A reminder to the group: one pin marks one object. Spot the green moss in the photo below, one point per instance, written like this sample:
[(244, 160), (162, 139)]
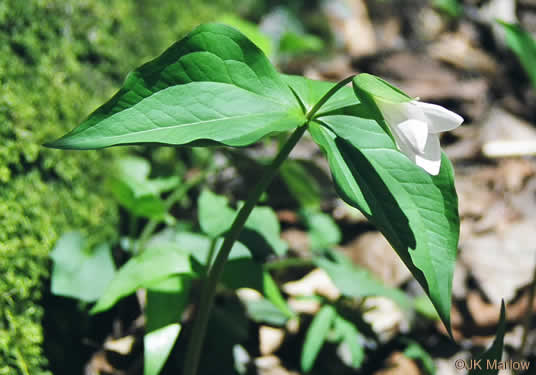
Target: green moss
[(58, 61)]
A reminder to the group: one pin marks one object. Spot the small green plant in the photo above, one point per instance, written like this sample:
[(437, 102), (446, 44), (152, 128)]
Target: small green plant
[(523, 45), (451, 7), (216, 88), (341, 321)]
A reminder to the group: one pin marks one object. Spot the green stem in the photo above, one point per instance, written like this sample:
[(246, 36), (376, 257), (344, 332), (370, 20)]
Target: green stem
[(21, 362), (175, 197), (209, 289), (288, 262), (327, 96), (132, 226), (211, 251)]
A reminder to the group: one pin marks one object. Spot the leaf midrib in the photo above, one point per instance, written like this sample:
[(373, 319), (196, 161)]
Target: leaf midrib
[(161, 128)]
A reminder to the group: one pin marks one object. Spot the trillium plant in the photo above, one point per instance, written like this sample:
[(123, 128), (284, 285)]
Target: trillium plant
[(216, 88)]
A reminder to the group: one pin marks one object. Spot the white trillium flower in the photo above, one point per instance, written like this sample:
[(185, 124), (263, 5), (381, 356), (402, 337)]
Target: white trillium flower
[(416, 126)]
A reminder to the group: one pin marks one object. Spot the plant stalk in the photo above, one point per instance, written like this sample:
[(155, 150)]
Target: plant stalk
[(289, 262), (199, 329), (327, 96), (209, 290), (210, 255)]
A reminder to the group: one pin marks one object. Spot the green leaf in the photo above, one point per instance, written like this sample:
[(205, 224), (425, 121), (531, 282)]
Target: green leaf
[(264, 311), (251, 31), (287, 29), (157, 345), (323, 231), (263, 221), (273, 294), (425, 307), (241, 270), (136, 192), (417, 352), (228, 327), (417, 212), (357, 282), (195, 244), (78, 272), (352, 338), (215, 216), (294, 43), (451, 7), (214, 85), (261, 232), (316, 335), (301, 184), (524, 46), (379, 88), (208, 112), (155, 263), (166, 301), (135, 171), (310, 92), (494, 354)]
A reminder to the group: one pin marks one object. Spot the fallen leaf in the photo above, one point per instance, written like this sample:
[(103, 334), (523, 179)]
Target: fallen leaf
[(122, 346), (316, 282), (270, 339), (398, 363), (349, 18), (372, 251)]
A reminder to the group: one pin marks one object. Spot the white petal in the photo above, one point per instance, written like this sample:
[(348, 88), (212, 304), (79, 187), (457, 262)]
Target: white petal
[(415, 133), (405, 147), (393, 113), (439, 118), (430, 160)]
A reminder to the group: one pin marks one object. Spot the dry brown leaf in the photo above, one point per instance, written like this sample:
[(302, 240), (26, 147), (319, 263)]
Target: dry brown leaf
[(316, 282), (486, 314), (458, 49), (122, 346), (333, 69), (467, 146), (270, 339), (500, 125), (297, 240), (501, 263), (385, 317), (431, 23), (397, 364), (271, 365), (99, 364), (372, 251), (422, 76), (351, 24)]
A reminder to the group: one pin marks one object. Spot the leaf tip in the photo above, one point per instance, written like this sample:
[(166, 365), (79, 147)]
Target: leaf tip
[(97, 309), (58, 143), (66, 143)]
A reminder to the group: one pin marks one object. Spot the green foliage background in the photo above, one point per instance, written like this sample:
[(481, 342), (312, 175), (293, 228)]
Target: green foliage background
[(59, 60)]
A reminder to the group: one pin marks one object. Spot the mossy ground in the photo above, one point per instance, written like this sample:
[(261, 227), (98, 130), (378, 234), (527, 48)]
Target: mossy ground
[(58, 61)]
